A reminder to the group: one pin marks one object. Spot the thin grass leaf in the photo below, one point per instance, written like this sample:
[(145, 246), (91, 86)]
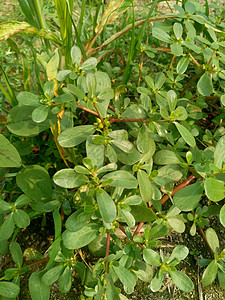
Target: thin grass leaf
[(13, 101)]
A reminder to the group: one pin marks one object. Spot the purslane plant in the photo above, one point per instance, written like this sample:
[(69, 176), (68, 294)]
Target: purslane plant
[(120, 152)]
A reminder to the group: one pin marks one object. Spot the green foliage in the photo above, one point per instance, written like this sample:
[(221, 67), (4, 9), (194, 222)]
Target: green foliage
[(105, 141)]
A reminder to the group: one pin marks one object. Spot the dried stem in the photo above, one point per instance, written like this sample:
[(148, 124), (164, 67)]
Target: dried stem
[(107, 250)]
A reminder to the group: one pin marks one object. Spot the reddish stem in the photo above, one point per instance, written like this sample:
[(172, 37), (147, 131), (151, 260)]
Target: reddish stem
[(166, 197), (87, 109), (3, 129), (179, 187)]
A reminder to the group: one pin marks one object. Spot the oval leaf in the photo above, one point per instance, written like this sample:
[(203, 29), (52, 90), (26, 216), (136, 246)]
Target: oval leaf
[(122, 179), (76, 135), (9, 156), (186, 135), (205, 86), (69, 179), (106, 206)]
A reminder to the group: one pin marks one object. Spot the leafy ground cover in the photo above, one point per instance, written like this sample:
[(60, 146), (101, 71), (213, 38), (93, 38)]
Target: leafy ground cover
[(112, 123)]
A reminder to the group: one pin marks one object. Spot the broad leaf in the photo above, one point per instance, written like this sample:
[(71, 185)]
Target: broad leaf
[(40, 114), (182, 281), (106, 206), (186, 135), (35, 182), (212, 239), (205, 86), (152, 257), (126, 277), (214, 189), (9, 156), (188, 198), (70, 179), (222, 215), (80, 238), (21, 218), (166, 157), (20, 121), (9, 289), (38, 289), (161, 35), (179, 253), (210, 273), (122, 179), (76, 135), (144, 271), (52, 275), (27, 98), (182, 64), (145, 186), (219, 153), (7, 228), (65, 280)]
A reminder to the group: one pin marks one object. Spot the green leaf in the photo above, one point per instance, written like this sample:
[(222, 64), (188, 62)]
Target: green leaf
[(20, 121), (219, 153), (212, 239), (5, 207), (142, 213), (7, 228), (9, 156), (78, 219), (177, 224), (38, 289), (188, 198), (52, 66), (158, 231), (152, 258), (35, 182), (168, 174), (166, 157), (176, 49), (161, 35), (214, 189), (210, 273), (190, 7), (52, 275), (106, 94), (76, 135), (40, 114), (182, 281), (144, 271), (16, 253), (106, 206), (182, 64), (91, 84), (133, 200), (80, 238), (221, 278), (143, 144), (76, 91), (122, 179), (65, 280), (128, 218), (192, 46), (125, 277), (178, 30), (179, 253), (222, 215), (111, 292), (172, 100), (9, 289), (145, 186), (75, 55), (160, 79), (21, 218), (186, 134), (27, 98), (205, 86), (69, 179), (123, 145), (156, 282), (89, 64), (95, 152)]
